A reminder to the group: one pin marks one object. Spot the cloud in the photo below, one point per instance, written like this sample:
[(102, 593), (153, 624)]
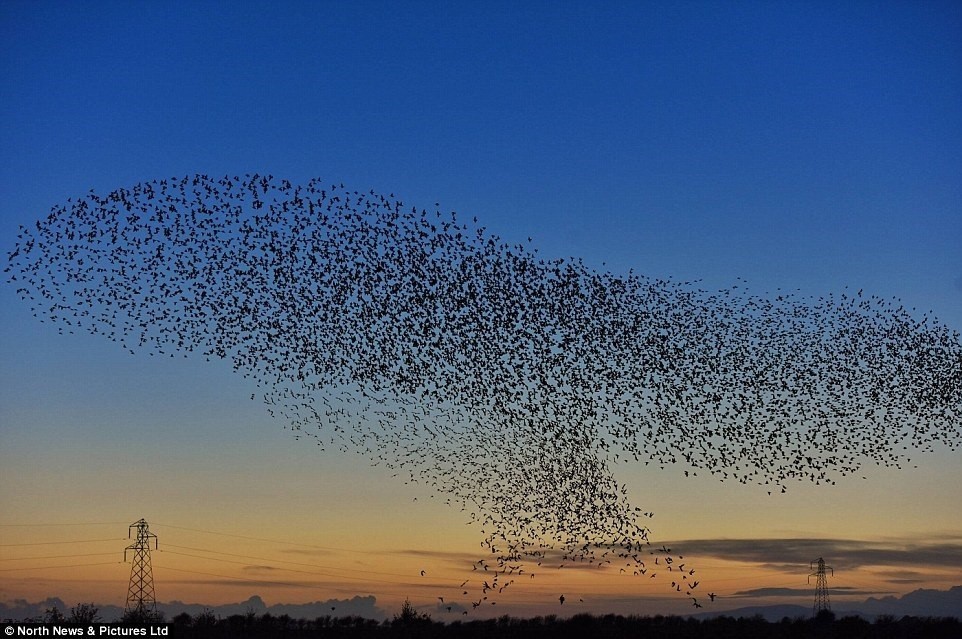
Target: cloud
[(903, 576), (23, 609), (260, 569), (358, 605), (802, 592), (550, 558), (461, 558), (309, 552), (362, 606), (794, 555), (908, 560), (251, 583)]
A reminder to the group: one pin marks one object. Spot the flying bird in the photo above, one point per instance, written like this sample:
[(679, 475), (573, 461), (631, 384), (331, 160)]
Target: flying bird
[(508, 382)]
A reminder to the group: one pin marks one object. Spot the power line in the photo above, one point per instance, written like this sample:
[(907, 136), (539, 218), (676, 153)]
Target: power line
[(265, 559), (262, 581), (163, 525), (54, 543), (103, 563), (306, 572), (217, 552), (85, 523), (273, 541), (326, 588), (89, 554), (283, 561)]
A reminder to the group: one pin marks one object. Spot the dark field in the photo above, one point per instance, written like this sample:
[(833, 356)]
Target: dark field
[(604, 627)]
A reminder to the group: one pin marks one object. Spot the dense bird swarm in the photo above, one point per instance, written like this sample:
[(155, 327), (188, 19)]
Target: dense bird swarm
[(508, 383)]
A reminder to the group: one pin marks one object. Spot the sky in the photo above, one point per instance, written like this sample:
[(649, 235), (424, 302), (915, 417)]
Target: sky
[(804, 145)]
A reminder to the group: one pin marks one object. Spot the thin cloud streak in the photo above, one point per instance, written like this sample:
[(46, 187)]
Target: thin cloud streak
[(440, 555), (250, 583), (783, 555), (261, 569), (309, 552), (849, 554), (804, 592)]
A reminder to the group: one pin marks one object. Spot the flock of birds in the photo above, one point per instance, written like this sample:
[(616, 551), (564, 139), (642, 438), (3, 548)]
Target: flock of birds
[(508, 383)]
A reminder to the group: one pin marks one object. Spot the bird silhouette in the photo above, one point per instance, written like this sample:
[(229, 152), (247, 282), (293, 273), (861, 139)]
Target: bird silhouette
[(508, 382)]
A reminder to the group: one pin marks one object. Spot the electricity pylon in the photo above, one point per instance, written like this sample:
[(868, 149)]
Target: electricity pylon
[(140, 595), (821, 587)]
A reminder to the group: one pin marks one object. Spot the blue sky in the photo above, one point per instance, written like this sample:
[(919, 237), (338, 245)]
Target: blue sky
[(796, 145), (680, 139)]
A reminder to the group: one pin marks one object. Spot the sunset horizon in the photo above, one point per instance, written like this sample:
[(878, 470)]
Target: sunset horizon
[(640, 309)]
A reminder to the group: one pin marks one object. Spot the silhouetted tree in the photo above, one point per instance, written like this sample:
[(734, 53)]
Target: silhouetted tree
[(84, 614), (825, 616), (183, 620), (205, 619), (410, 616), (53, 615), (141, 616)]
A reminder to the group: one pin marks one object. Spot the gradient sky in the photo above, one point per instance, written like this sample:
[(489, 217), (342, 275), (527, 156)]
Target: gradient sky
[(802, 145)]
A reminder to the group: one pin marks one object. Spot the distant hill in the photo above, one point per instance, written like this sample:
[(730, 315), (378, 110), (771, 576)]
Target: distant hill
[(358, 606), (918, 603)]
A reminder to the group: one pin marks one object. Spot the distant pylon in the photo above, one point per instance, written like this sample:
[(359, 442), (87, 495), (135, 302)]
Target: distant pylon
[(821, 586), (140, 594)]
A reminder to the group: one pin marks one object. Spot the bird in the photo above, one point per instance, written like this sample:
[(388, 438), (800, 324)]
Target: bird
[(510, 383)]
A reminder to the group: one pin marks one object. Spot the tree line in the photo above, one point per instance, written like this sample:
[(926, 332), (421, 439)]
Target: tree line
[(408, 623)]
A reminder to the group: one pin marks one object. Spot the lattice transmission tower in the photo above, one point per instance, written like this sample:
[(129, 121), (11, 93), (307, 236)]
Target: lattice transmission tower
[(821, 586), (140, 594)]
